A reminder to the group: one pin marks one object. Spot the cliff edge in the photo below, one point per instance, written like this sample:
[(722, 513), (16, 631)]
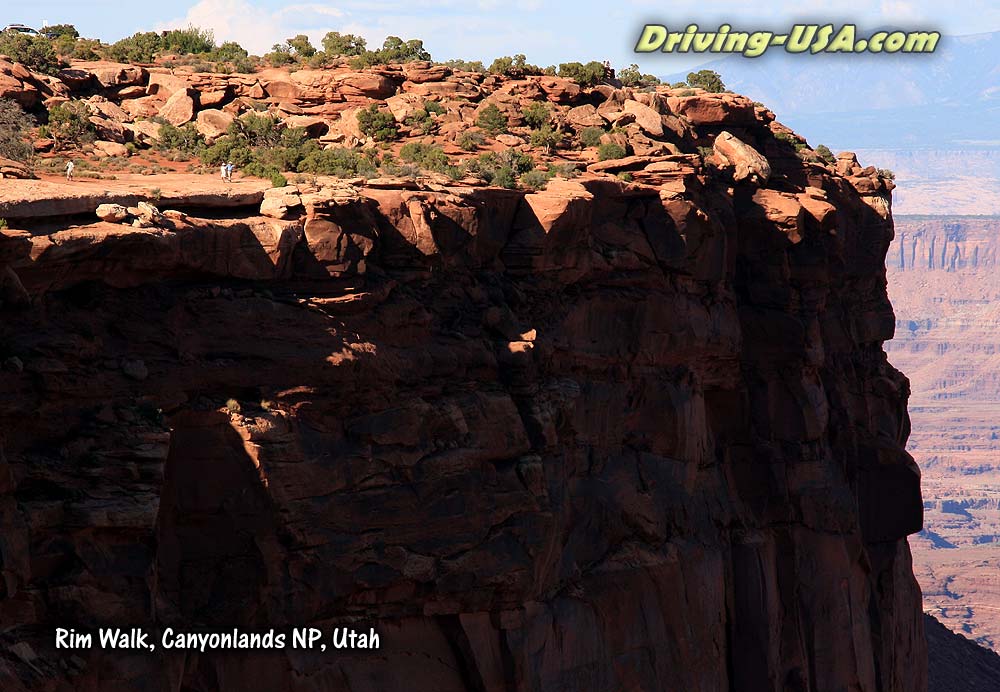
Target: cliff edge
[(609, 435)]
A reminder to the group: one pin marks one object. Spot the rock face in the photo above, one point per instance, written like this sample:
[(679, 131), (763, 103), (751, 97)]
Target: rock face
[(747, 163), (603, 436), (600, 437)]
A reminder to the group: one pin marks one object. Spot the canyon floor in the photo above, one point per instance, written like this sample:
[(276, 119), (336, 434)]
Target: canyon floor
[(943, 283)]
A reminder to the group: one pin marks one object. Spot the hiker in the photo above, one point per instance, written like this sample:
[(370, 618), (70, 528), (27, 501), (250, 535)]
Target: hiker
[(70, 167), (229, 171), (223, 169)]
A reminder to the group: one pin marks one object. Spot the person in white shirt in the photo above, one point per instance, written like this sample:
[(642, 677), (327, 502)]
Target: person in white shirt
[(70, 167)]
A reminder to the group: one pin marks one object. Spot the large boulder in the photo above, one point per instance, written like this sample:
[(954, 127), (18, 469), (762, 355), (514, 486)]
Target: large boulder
[(645, 117), (15, 84), (213, 123), (14, 169), (145, 131), (279, 90), (146, 215), (559, 89), (347, 125), (108, 109), (165, 85), (784, 210), (113, 149), (584, 116), (112, 213), (281, 202), (109, 130), (402, 106), (213, 98), (714, 109), (422, 71), (180, 107), (366, 84), (745, 161), (107, 75), (144, 107)]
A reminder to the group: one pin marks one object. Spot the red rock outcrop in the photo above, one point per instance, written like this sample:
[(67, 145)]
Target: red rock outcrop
[(605, 436)]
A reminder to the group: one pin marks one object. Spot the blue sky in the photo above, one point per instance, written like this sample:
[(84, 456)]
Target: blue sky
[(547, 32)]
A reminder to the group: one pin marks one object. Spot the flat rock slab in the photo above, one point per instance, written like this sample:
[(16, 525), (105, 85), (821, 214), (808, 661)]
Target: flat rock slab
[(27, 199)]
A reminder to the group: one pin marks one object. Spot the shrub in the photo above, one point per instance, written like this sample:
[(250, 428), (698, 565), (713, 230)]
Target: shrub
[(587, 75), (300, 46), (277, 179), (336, 43), (886, 173), (69, 124), (233, 406), (466, 65), (186, 140), (591, 136), (824, 153), (536, 115), (230, 51), (625, 176), (3, 224), (141, 47), (546, 138), (394, 50), (787, 138), (86, 49), (502, 168), (632, 77), (379, 125), (610, 150), (34, 52), (14, 123), (278, 57), (564, 170), (492, 120), (536, 180), (257, 130), (260, 146), (517, 161), (423, 121), (515, 66), (191, 40), (470, 140), (340, 162), (60, 30), (709, 80), (503, 177), (425, 155), (434, 107)]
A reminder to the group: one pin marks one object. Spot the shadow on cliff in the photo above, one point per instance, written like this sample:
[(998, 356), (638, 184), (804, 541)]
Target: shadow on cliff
[(214, 524)]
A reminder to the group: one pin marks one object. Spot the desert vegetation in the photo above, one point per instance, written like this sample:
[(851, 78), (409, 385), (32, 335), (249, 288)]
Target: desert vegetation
[(14, 128)]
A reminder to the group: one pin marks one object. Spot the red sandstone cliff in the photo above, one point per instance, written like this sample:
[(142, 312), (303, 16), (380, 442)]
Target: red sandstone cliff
[(608, 436)]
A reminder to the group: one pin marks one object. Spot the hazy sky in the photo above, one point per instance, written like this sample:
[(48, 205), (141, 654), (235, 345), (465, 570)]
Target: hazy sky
[(547, 32)]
